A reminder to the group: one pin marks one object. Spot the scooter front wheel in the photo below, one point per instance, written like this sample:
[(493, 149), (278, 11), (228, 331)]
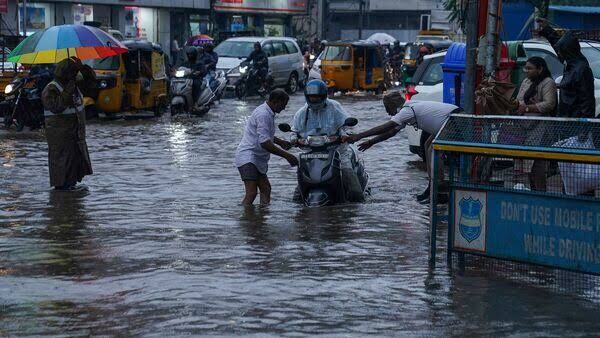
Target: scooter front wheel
[(8, 120)]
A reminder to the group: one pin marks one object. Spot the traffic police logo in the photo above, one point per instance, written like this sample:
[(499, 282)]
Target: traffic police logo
[(470, 218)]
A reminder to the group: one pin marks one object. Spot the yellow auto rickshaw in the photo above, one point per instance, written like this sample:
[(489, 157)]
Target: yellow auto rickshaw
[(357, 65), (133, 84)]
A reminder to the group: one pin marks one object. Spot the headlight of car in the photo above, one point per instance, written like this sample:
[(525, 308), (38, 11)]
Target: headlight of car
[(243, 69), (103, 84), (180, 73), (8, 89)]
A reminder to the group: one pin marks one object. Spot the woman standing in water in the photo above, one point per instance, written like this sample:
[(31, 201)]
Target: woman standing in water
[(68, 157)]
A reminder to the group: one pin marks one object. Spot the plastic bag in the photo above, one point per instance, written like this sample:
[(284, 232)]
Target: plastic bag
[(578, 178)]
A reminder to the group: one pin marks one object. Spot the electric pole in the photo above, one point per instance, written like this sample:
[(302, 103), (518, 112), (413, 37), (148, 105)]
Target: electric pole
[(361, 10), (471, 60)]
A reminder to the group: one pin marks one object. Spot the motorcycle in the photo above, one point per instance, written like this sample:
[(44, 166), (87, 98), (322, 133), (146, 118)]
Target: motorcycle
[(23, 103), (319, 171), (392, 72), (182, 92), (249, 83)]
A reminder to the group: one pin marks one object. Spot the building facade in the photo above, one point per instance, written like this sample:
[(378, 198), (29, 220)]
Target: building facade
[(258, 17), (399, 18), (158, 21)]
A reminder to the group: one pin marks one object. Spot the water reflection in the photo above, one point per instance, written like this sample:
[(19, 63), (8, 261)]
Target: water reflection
[(160, 246), (69, 250)]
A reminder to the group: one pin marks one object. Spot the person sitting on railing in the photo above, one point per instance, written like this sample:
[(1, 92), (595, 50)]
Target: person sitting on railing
[(536, 97)]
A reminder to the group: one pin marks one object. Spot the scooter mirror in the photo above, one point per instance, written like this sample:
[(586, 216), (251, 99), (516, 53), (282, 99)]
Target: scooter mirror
[(284, 127), (351, 122)]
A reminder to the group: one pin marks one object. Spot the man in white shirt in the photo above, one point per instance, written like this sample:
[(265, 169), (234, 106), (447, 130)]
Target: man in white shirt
[(257, 145), (428, 116)]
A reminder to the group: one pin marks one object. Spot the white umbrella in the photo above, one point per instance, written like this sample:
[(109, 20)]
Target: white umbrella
[(382, 38)]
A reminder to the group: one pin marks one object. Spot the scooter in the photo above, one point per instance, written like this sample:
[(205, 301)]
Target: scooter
[(319, 171), (182, 92), (23, 103)]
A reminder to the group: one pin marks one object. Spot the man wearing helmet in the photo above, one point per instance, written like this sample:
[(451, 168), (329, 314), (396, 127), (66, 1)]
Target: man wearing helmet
[(322, 116)]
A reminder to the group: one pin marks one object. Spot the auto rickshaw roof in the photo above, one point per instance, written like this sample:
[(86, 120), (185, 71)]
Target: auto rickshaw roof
[(142, 45), (357, 43)]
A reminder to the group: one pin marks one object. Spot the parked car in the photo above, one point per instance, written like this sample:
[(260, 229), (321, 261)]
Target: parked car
[(428, 79), (285, 59)]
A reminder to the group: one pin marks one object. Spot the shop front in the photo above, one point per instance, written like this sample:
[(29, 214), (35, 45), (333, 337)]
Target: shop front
[(257, 17), (156, 21)]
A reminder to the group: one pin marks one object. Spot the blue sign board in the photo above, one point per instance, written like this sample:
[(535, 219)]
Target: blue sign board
[(553, 231)]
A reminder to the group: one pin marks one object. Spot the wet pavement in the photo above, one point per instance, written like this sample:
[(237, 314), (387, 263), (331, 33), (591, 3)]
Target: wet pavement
[(160, 246)]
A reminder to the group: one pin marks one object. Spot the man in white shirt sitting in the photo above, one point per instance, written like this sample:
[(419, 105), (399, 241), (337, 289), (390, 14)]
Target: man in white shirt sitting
[(428, 116)]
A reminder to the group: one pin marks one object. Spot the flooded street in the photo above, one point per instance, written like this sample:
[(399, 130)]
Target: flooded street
[(160, 246)]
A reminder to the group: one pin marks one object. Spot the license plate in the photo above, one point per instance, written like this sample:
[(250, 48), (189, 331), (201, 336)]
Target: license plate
[(9, 97), (312, 156)]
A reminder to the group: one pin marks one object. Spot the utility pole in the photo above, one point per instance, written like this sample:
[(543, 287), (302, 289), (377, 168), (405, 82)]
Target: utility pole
[(471, 62), (24, 17), (492, 33), (361, 10)]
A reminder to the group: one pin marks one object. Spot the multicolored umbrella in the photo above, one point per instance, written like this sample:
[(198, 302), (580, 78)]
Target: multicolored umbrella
[(60, 42), (198, 40)]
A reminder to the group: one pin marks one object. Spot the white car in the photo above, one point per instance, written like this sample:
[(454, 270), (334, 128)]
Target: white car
[(315, 70), (285, 59), (429, 77)]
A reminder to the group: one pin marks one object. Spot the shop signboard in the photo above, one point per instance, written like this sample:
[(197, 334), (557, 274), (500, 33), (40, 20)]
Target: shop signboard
[(36, 18), (273, 6), (132, 22), (545, 230), (3, 6), (82, 13)]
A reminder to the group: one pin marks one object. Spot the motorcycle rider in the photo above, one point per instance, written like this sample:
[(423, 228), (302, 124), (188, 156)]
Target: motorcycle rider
[(397, 52), (209, 63), (198, 70), (322, 116), (209, 49), (260, 60)]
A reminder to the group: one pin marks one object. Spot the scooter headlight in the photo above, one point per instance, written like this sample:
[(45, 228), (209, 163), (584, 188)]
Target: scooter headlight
[(317, 141), (8, 89), (396, 83), (312, 57), (180, 73), (243, 69), (103, 84)]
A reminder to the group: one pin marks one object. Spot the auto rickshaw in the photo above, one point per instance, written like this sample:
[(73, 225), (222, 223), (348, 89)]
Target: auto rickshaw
[(133, 84), (357, 65)]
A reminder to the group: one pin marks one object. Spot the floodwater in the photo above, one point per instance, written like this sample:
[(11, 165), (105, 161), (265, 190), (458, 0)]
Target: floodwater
[(161, 247)]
